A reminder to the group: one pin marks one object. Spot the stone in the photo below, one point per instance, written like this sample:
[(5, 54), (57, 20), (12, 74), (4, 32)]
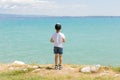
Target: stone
[(86, 69), (19, 62), (89, 69), (36, 70), (95, 68)]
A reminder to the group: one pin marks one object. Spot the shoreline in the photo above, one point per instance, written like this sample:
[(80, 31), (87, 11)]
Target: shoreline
[(46, 72)]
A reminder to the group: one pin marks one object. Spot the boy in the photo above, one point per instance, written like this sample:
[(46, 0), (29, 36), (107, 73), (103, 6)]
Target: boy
[(58, 38)]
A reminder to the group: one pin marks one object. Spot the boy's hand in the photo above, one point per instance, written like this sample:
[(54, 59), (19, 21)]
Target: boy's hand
[(51, 40), (63, 39)]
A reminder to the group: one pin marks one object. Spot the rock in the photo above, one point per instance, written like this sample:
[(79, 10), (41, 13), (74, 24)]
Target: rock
[(86, 69), (90, 69), (25, 69), (95, 68), (36, 70), (11, 68), (116, 75), (103, 74), (19, 62), (35, 67)]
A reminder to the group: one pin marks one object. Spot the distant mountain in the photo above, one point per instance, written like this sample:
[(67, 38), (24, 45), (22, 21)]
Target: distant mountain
[(19, 16), (9, 15), (38, 16)]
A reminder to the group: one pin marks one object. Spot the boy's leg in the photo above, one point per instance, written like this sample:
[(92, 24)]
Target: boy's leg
[(60, 59), (56, 59)]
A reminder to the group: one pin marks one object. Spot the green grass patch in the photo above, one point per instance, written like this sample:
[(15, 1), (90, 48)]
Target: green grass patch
[(116, 69)]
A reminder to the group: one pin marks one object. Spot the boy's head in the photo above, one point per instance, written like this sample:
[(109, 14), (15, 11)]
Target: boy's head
[(58, 26)]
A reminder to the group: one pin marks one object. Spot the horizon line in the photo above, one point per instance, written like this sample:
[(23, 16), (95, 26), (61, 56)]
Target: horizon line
[(33, 15)]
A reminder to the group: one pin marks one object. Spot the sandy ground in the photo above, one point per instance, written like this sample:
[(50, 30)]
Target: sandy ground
[(48, 69)]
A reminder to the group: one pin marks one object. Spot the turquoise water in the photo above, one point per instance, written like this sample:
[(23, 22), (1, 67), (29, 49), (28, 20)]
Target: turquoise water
[(90, 40)]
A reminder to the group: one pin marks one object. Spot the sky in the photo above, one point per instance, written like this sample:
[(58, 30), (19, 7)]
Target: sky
[(61, 7)]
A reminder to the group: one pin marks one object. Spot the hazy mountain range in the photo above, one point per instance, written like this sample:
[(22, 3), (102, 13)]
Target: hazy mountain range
[(37, 16)]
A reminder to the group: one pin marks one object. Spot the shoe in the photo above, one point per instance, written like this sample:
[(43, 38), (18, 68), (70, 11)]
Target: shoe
[(56, 67), (60, 67)]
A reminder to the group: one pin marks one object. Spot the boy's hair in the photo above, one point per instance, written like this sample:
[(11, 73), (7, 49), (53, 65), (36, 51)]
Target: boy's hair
[(58, 26)]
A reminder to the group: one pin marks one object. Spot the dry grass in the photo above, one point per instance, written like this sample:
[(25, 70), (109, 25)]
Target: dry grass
[(47, 72)]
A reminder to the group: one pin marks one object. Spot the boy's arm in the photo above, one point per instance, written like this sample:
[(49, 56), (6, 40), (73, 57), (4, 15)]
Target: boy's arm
[(51, 40), (64, 39)]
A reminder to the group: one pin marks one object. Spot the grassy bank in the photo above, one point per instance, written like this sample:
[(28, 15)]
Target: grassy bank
[(47, 72)]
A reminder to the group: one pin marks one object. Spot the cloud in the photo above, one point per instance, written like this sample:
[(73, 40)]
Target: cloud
[(11, 4), (41, 7)]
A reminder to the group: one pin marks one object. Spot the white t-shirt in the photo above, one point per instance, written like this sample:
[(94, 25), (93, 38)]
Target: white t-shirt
[(58, 39)]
